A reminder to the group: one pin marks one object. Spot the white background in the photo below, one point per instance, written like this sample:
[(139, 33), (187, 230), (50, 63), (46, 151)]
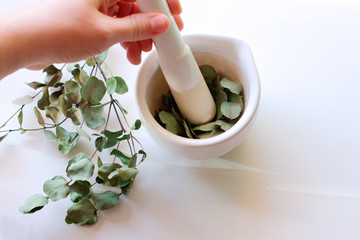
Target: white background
[(296, 176)]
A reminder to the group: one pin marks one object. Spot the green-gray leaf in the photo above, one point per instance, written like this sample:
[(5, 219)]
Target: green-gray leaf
[(95, 117), (234, 87), (34, 203), (213, 125), (220, 98), (208, 73), (231, 110), (82, 212), (236, 99), (20, 118), (93, 90), (57, 188), (111, 85), (72, 92), (104, 172), (23, 100), (75, 115), (54, 97), (36, 85), (125, 158), (80, 167), (82, 133), (44, 100), (127, 173), (53, 113), (3, 137), (63, 104), (80, 190), (105, 200), (50, 135), (136, 125), (99, 162), (39, 116), (111, 138), (171, 124), (121, 86)]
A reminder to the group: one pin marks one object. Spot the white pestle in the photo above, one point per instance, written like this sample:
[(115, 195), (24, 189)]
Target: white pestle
[(180, 69)]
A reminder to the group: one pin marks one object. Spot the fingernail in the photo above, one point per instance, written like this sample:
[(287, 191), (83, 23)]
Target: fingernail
[(159, 23)]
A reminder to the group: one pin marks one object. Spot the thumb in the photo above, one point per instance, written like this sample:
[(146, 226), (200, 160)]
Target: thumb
[(138, 26)]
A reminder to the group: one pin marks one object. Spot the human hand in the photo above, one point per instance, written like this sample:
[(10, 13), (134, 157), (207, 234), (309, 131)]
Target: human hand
[(57, 31), (135, 48)]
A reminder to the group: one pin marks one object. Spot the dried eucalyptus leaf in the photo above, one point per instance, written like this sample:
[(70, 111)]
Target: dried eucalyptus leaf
[(93, 90), (111, 85), (23, 100), (214, 125), (20, 118), (53, 113), (121, 87), (3, 137), (136, 125), (34, 203), (82, 133), (210, 134), (127, 173), (236, 99), (95, 117), (105, 200), (54, 97), (62, 136), (100, 142), (82, 212), (126, 188), (71, 66), (80, 190), (75, 115), (133, 161), (44, 100), (99, 162), (49, 135), (220, 98), (72, 92), (90, 62), (104, 172), (111, 138), (231, 110), (51, 70), (80, 167), (125, 136), (188, 130), (36, 85), (208, 73), (125, 158), (101, 57), (63, 104), (53, 76), (233, 87), (170, 122), (57, 188)]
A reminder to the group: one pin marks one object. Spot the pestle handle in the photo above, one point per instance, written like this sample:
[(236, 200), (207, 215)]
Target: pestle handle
[(180, 69)]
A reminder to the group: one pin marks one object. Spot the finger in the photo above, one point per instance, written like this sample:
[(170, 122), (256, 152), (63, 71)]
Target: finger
[(179, 22), (146, 45), (134, 53), (175, 7), (137, 27)]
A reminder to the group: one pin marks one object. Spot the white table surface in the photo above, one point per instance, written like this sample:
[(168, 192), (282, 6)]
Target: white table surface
[(296, 176)]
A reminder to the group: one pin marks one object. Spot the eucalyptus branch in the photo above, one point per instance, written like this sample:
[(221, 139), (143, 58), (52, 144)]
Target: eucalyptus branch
[(79, 98)]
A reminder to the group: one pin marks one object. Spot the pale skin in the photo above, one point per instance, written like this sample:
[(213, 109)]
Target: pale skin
[(64, 31)]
